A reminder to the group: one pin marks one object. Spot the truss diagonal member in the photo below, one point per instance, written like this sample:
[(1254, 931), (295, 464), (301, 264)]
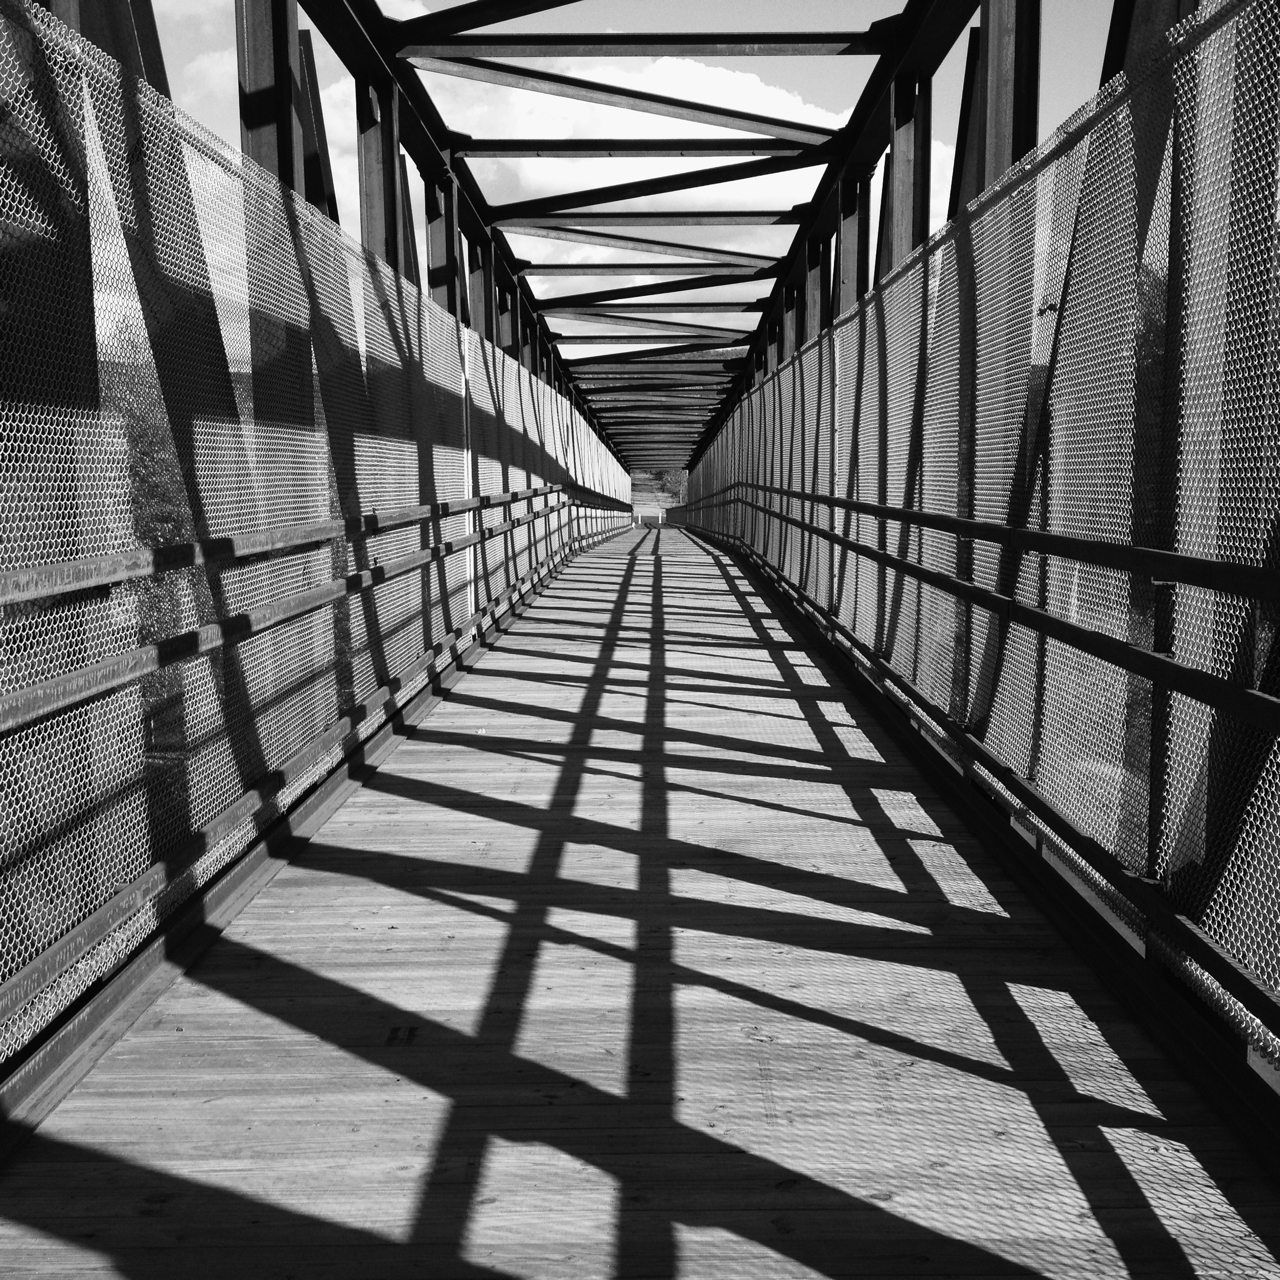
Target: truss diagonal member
[(614, 318), (639, 339), (418, 42), (647, 290), (644, 187), (639, 243), (631, 269), (629, 99), (692, 306), (709, 351)]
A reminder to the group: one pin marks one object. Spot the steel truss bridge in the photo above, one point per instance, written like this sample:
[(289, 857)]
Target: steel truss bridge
[(409, 865)]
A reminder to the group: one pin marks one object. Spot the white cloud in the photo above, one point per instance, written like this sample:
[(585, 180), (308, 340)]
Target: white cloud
[(208, 89), (403, 9), (338, 102), (941, 162)]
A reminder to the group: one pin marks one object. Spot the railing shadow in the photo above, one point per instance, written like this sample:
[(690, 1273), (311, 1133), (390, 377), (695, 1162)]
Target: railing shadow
[(780, 1187)]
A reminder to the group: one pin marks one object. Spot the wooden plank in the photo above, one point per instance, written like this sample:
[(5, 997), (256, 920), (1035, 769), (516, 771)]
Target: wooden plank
[(648, 944)]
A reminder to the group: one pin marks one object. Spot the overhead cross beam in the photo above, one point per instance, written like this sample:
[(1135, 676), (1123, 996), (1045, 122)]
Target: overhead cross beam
[(620, 148), (419, 42), (657, 218)]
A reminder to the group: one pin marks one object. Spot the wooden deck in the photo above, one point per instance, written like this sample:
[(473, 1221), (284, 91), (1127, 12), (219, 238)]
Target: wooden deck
[(646, 955)]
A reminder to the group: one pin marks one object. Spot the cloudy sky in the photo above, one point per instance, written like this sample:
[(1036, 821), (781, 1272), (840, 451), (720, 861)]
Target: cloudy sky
[(198, 37)]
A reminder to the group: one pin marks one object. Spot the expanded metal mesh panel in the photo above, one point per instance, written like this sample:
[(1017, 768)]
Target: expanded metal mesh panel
[(815, 387), (194, 363), (870, 487), (848, 353), (941, 615), (904, 311), (1089, 353)]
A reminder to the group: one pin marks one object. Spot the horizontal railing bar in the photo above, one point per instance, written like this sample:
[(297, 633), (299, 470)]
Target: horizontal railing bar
[(1236, 978), (1164, 566), (24, 706), (21, 987), (43, 582), (1250, 705)]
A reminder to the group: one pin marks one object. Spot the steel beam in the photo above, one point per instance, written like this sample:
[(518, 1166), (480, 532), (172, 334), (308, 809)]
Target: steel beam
[(659, 218), (125, 29), (317, 169), (442, 244), (359, 32), (648, 290), (641, 339), (482, 302), (667, 247), (267, 59), (617, 44), (408, 237), (1011, 33), (853, 241), (629, 99), (966, 173), (653, 354), (378, 149), (481, 13), (619, 148), (928, 30), (634, 269), (655, 326), (642, 188), (910, 110), (691, 307)]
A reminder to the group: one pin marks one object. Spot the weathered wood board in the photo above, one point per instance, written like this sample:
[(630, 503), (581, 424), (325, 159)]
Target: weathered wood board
[(645, 955)]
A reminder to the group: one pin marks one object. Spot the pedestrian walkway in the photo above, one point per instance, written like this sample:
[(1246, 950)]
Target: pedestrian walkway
[(645, 955)]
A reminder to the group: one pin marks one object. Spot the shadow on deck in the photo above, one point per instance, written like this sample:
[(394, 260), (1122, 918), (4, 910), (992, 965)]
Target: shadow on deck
[(646, 955)]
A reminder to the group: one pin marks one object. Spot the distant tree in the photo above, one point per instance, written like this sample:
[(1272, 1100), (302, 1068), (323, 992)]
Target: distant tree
[(676, 483)]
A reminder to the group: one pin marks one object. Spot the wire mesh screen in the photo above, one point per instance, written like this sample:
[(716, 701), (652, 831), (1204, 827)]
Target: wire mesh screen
[(1054, 509), (254, 490)]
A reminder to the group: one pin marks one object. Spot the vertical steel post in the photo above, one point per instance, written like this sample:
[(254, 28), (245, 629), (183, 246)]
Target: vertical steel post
[(971, 130), (854, 241), (408, 236), (378, 129), (317, 170), (814, 290), (911, 114), (1011, 40), (442, 243), (267, 54)]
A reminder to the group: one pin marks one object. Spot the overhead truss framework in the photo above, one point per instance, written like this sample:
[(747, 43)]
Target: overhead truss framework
[(695, 318)]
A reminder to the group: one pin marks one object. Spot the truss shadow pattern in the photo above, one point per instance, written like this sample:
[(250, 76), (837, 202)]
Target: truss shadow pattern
[(646, 955)]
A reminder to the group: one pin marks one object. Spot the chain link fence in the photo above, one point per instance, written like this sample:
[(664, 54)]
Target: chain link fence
[(255, 491), (1032, 482)]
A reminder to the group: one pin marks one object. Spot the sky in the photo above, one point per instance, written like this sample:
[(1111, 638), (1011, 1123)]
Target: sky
[(198, 40)]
